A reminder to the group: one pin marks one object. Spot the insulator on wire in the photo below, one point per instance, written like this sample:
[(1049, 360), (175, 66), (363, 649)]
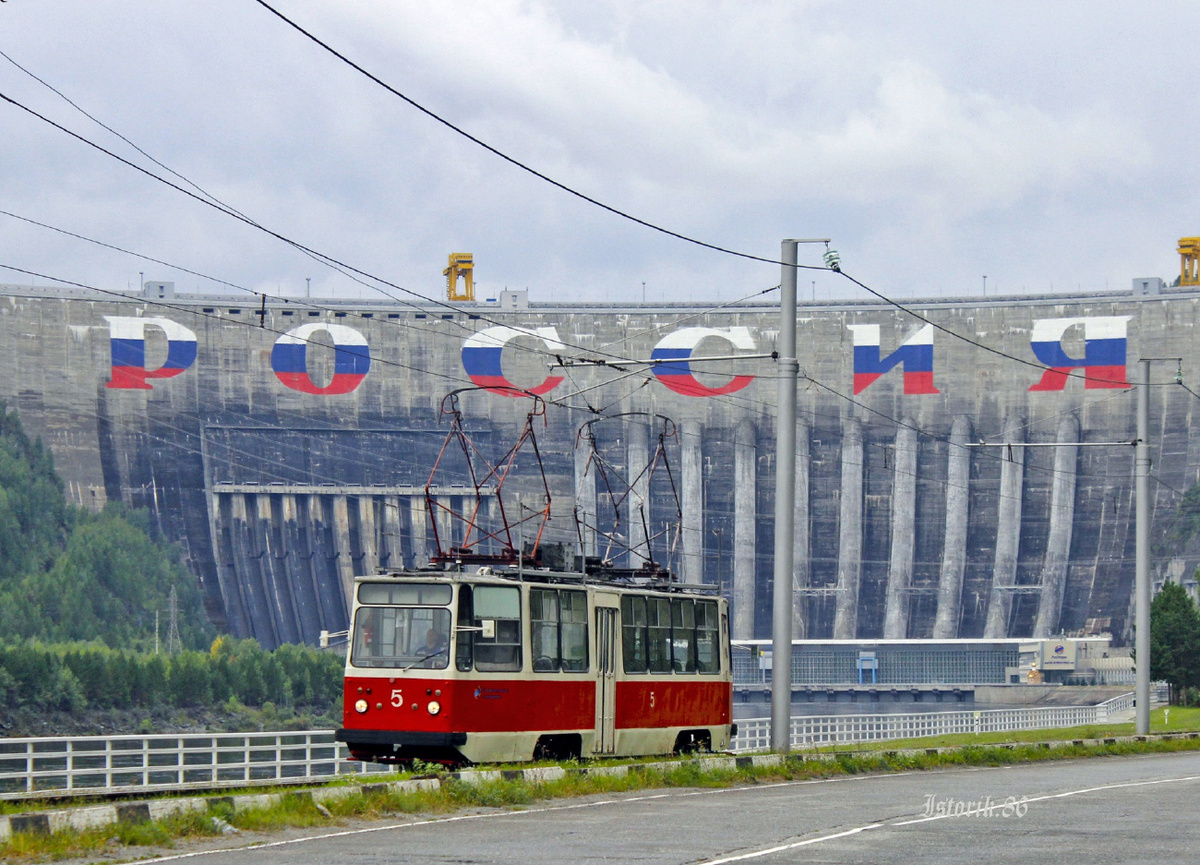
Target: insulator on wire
[(832, 260)]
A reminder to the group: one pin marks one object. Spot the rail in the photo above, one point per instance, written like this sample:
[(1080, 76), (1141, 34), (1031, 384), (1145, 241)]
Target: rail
[(754, 734), (103, 765)]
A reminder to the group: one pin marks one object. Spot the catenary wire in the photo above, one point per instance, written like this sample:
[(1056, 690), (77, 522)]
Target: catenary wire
[(228, 211), (109, 129), (252, 456), (344, 267), (628, 216), (516, 162), (233, 210), (561, 401), (75, 105)]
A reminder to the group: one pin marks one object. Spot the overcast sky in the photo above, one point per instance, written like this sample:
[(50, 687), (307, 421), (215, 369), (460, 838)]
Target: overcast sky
[(1046, 145)]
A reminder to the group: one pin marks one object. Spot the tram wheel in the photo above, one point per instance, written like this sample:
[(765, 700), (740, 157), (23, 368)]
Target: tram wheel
[(693, 742), (561, 746)]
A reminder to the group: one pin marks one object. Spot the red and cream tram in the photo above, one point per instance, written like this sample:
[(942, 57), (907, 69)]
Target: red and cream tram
[(506, 664)]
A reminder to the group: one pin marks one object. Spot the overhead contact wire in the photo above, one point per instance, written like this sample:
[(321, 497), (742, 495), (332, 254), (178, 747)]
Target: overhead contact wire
[(635, 219)]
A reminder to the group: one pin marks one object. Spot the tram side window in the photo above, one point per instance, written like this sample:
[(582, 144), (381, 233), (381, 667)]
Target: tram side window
[(543, 616), (501, 652), (574, 633), (708, 643), (633, 633), (463, 658), (658, 625), (683, 635), (558, 622)]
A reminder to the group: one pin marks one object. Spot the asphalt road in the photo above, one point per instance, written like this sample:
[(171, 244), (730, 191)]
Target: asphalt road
[(1118, 810)]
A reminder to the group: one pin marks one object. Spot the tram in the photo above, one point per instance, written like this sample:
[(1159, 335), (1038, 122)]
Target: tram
[(513, 663)]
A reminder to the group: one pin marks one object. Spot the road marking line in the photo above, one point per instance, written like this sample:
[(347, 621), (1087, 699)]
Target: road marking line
[(175, 857), (742, 857), (392, 826), (1050, 796), (556, 808)]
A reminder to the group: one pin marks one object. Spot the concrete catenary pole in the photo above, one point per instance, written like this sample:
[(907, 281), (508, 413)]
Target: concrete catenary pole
[(1141, 580), (785, 503)]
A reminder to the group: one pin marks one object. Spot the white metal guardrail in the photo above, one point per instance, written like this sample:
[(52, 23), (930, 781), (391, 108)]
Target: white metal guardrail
[(813, 731), (121, 764)]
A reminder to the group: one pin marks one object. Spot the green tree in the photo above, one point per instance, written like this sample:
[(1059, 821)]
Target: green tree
[(297, 669), (64, 692), (8, 687), (151, 687), (34, 517), (1175, 639), (109, 582), (190, 680), (1182, 533)]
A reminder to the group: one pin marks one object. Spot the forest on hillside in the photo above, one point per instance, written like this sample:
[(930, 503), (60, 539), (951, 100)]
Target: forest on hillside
[(67, 574), (85, 603)]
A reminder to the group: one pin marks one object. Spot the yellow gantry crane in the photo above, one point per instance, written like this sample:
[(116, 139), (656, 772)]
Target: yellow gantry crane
[(461, 264), (1189, 261)]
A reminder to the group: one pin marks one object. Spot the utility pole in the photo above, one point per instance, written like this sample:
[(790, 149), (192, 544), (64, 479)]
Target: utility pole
[(1141, 556), (1141, 578), (785, 496), (785, 504)]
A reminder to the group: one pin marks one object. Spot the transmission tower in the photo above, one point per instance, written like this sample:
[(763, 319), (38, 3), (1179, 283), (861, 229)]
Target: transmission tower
[(174, 644)]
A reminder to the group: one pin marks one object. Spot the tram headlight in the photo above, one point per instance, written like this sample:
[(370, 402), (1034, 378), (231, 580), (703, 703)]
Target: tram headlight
[(360, 706), (434, 707)]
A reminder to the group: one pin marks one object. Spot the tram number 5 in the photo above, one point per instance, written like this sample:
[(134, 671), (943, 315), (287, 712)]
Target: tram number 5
[(397, 698), (651, 699)]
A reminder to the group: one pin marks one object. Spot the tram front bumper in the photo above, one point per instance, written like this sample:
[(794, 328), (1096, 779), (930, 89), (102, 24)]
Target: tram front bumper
[(402, 738)]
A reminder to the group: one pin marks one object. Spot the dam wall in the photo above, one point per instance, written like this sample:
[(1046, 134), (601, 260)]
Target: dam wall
[(286, 446)]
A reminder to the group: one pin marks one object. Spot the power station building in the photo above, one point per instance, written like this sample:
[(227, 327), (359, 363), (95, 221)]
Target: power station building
[(286, 445)]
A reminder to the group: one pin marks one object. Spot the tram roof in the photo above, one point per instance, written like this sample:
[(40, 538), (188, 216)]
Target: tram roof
[(618, 580)]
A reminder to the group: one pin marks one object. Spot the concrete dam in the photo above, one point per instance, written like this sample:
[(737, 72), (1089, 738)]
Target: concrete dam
[(286, 446)]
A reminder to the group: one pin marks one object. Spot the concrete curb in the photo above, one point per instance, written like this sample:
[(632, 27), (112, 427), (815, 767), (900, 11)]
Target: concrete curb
[(94, 816)]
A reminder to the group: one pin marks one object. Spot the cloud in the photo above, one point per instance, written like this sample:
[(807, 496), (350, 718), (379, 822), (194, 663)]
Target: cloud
[(912, 135)]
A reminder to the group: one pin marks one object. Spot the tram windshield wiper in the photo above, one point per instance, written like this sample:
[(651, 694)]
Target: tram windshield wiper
[(440, 651)]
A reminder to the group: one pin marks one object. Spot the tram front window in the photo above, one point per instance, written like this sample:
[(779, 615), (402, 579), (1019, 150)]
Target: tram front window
[(404, 637)]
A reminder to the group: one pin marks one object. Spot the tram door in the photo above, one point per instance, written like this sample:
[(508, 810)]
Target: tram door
[(607, 632)]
